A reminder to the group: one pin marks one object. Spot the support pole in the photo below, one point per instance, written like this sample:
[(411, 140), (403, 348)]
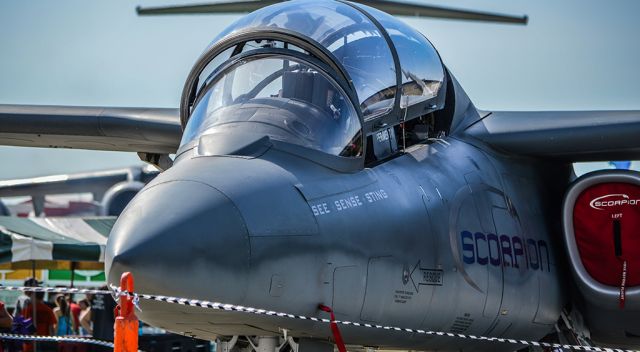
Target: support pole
[(32, 295), (126, 325), (73, 273)]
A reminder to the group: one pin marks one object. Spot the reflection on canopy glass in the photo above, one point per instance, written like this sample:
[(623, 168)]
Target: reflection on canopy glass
[(422, 70), (348, 34), (282, 98)]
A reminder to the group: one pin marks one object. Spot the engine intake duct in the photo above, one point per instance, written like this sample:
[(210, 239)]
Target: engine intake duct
[(601, 221)]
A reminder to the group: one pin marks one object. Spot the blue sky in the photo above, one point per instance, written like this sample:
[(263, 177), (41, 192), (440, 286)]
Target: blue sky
[(573, 55)]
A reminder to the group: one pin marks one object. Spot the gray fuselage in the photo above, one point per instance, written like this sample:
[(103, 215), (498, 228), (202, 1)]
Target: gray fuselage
[(445, 237)]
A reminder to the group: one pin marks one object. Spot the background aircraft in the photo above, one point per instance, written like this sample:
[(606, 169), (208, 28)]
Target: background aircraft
[(109, 191)]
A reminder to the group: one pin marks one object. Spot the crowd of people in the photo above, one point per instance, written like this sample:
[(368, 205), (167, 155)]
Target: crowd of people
[(61, 315)]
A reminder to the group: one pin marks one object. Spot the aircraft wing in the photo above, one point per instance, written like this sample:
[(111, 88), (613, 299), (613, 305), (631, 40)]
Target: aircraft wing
[(562, 135), (148, 130), (395, 8)]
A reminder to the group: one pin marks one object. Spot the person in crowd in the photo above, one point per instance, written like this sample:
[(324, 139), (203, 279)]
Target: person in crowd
[(65, 325), (5, 322), (45, 321), (102, 317), (5, 318), (50, 300), (85, 318), (75, 312), (24, 300)]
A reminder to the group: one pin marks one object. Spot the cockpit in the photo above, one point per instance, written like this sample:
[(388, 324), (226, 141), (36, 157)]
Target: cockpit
[(328, 76), (282, 97)]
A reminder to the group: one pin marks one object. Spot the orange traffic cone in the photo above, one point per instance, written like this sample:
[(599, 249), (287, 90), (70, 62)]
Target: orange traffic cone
[(126, 325)]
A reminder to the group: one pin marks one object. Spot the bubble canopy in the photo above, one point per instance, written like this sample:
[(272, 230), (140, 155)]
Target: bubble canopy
[(380, 65)]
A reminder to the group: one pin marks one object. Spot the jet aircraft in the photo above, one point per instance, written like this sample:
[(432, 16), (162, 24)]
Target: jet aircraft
[(328, 156)]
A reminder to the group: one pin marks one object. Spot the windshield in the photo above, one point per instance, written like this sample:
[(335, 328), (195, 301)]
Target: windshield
[(280, 97)]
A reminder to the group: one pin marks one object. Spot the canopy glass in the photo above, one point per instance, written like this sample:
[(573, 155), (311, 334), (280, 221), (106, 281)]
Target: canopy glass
[(347, 33), (280, 97)]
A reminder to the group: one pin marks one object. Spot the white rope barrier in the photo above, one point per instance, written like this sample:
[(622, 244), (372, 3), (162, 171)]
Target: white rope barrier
[(69, 339), (236, 308)]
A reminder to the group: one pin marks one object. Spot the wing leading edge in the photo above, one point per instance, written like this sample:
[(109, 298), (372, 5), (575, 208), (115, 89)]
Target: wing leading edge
[(395, 8), (562, 135), (147, 130)]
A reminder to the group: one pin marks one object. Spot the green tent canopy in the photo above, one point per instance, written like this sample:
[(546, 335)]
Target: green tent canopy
[(53, 243)]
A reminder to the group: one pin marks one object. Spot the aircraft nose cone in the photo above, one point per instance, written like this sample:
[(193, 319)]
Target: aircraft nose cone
[(181, 238)]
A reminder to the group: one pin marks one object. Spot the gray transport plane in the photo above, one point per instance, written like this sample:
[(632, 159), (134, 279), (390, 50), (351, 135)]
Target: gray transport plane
[(327, 156)]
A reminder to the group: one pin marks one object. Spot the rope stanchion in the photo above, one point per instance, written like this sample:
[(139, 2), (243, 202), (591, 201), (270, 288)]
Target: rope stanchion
[(126, 324), (119, 292)]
